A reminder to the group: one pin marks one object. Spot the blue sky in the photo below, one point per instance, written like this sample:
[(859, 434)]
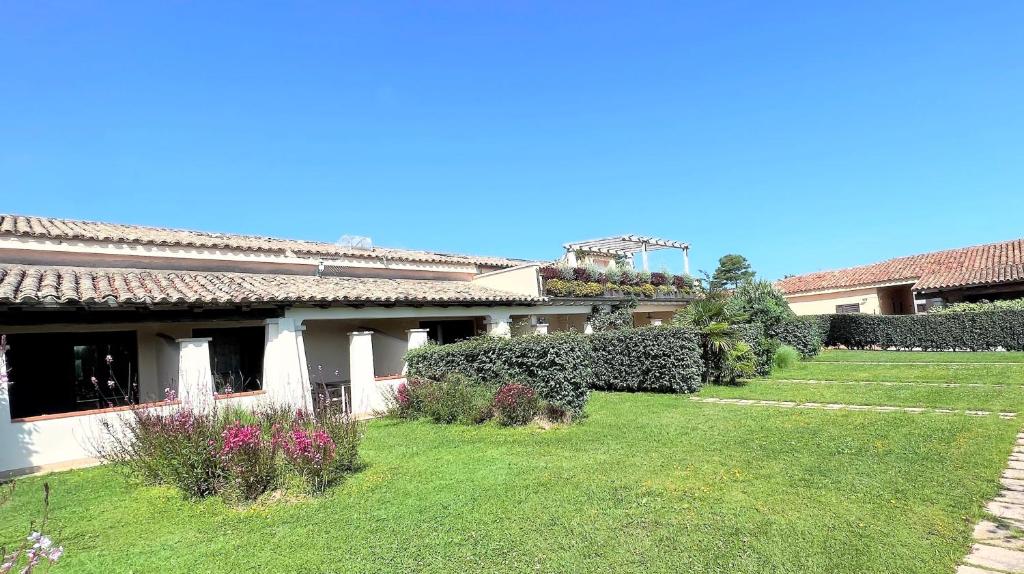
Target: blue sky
[(804, 135)]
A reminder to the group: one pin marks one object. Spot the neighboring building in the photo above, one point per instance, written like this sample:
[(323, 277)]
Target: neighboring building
[(100, 318), (913, 284)]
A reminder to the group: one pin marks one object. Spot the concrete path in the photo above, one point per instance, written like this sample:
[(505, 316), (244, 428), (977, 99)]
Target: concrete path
[(999, 542), (846, 407)]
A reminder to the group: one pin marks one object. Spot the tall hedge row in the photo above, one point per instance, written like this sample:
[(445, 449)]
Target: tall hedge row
[(562, 367), (557, 366), (763, 347), (930, 332), (665, 359), (802, 333)]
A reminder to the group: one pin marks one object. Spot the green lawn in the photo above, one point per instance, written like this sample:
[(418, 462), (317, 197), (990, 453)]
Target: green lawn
[(648, 483), (986, 398), (981, 373), (917, 357)]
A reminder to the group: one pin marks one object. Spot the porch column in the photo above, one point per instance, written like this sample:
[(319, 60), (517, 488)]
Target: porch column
[(417, 338), (656, 322), (5, 399), (643, 256), (499, 325), (588, 328), (195, 381), (365, 395), (686, 260), (540, 329), (285, 378)]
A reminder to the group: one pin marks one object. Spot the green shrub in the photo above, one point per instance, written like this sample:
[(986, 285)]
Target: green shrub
[(457, 399), (786, 357), (557, 366), (620, 317), (801, 333), (647, 359), (981, 307), (761, 347), (761, 302), (930, 332)]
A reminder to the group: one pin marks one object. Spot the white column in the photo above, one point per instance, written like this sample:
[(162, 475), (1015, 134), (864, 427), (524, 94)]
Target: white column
[(686, 261), (499, 325), (365, 395), (643, 256), (540, 329), (285, 378), (195, 381), (570, 258), (656, 322), (5, 398), (417, 338), (588, 328)]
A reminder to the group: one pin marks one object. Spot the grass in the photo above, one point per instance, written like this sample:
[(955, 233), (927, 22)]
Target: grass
[(987, 398), (652, 483), (917, 357), (685, 487), (980, 373)]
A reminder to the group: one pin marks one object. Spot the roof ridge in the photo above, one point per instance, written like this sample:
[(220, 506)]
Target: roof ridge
[(312, 243)]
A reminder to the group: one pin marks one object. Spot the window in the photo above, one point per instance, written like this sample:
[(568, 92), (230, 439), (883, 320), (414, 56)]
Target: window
[(848, 308), (54, 373), (445, 332), (236, 357)]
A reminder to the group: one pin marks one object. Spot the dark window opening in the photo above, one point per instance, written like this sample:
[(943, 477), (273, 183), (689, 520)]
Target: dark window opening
[(848, 309), (54, 373), (236, 358), (445, 332)]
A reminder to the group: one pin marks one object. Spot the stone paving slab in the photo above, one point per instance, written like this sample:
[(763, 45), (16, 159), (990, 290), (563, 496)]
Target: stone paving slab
[(996, 558), (999, 542)]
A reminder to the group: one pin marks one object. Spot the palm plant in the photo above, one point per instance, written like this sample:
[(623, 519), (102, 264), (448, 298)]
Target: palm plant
[(722, 348)]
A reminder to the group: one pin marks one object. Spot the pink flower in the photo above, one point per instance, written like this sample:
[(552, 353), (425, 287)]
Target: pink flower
[(110, 359)]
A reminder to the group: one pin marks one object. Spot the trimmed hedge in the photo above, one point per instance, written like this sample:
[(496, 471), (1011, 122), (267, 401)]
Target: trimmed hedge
[(763, 347), (801, 333), (663, 359), (557, 366), (930, 332)]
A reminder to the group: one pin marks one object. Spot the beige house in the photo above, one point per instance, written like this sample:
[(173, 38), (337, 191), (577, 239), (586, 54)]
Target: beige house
[(101, 318), (913, 284)]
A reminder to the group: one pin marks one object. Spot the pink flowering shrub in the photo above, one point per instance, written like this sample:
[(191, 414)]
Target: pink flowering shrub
[(247, 462), (516, 404), (309, 453), (237, 454)]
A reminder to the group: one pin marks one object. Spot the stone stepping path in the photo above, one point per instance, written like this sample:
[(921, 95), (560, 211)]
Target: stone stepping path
[(999, 543), (894, 383), (846, 407)]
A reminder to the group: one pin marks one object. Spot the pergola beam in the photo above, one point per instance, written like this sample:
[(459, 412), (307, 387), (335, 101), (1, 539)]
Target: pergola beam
[(629, 245)]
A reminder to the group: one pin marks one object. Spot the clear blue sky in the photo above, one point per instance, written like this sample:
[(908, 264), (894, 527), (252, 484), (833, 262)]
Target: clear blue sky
[(804, 135)]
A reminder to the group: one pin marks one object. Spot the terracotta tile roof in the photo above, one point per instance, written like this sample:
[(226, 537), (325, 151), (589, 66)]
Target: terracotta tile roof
[(35, 285), (967, 266), (68, 229)]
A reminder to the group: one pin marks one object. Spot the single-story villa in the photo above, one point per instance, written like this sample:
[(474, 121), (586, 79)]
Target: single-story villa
[(914, 284), (101, 318)]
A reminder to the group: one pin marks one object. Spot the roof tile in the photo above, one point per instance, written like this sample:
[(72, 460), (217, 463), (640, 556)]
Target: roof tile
[(967, 266), (66, 229), (30, 284)]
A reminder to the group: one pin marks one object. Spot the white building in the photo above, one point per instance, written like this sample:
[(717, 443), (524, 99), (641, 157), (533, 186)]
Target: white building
[(103, 318)]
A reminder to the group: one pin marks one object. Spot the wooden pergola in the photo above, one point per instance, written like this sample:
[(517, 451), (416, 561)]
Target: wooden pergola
[(627, 245)]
